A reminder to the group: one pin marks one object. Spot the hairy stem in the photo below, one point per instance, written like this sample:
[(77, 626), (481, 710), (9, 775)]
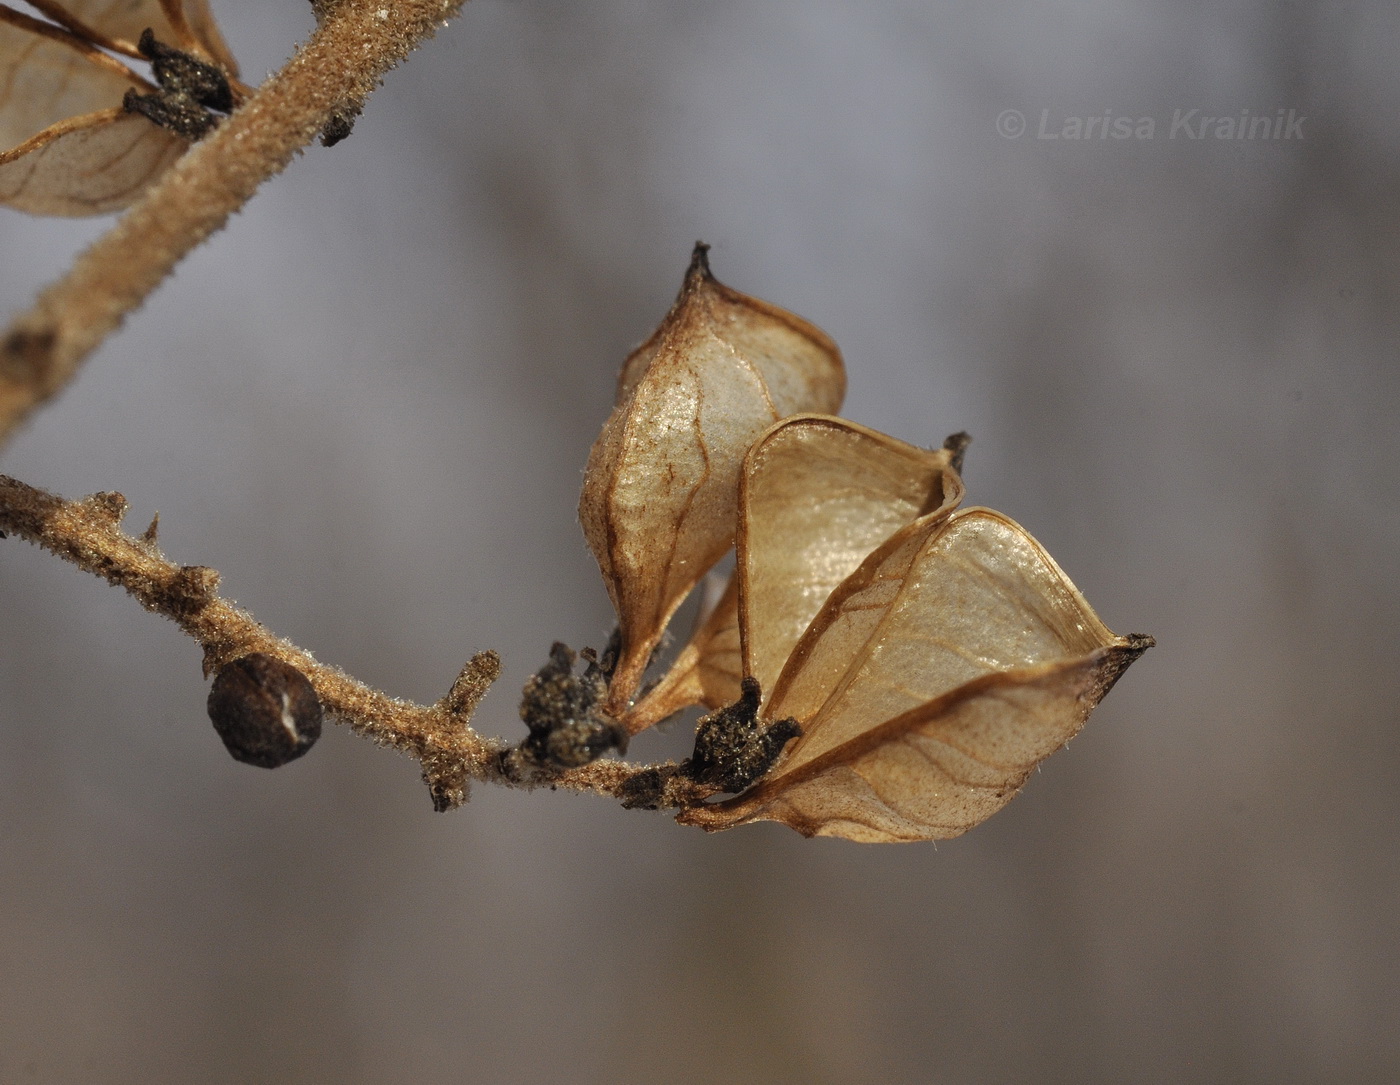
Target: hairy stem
[(356, 42), (88, 533)]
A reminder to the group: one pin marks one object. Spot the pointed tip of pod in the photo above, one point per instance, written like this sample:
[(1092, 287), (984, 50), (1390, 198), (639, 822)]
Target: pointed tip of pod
[(956, 444), (699, 270)]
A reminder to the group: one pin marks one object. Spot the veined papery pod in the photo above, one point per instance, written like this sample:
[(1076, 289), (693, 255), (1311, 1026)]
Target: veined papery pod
[(929, 686), (67, 146), (659, 502), (816, 495)]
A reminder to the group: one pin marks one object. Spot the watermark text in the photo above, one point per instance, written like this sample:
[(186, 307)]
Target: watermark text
[(1183, 125)]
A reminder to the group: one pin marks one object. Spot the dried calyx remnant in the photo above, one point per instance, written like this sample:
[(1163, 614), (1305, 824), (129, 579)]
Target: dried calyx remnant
[(561, 709), (733, 747), (189, 90)]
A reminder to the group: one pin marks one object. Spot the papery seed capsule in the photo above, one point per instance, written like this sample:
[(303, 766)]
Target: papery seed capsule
[(264, 710)]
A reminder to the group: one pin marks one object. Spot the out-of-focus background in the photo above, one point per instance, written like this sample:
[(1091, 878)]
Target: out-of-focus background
[(368, 403)]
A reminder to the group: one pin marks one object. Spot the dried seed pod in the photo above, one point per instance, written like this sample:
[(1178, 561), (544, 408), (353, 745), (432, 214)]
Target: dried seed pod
[(930, 684), (264, 710), (816, 495), (659, 495), (67, 145)]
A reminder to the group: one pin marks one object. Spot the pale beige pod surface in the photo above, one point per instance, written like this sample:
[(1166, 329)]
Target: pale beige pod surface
[(659, 503), (816, 497), (931, 683)]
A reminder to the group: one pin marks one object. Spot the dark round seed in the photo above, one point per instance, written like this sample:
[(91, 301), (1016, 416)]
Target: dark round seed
[(265, 710)]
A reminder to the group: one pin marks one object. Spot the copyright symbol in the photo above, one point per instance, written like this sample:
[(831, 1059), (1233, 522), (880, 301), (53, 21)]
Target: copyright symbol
[(1011, 123)]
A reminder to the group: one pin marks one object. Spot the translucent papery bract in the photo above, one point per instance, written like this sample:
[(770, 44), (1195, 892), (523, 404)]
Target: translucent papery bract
[(90, 165), (659, 503), (126, 19), (44, 81), (930, 684), (816, 497)]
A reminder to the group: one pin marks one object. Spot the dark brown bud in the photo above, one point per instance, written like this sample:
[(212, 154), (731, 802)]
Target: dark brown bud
[(339, 124), (265, 710)]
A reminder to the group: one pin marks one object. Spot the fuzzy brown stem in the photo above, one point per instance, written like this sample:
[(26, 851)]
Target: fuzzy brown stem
[(88, 533), (340, 64)]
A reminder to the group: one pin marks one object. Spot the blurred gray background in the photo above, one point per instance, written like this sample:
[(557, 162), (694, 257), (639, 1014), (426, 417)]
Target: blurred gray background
[(368, 403)]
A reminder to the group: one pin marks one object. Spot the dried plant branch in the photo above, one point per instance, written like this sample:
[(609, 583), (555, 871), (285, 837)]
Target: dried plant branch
[(88, 534), (355, 44)]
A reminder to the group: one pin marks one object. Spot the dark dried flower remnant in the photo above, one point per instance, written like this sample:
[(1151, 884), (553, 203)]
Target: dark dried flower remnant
[(181, 73), (190, 88), (559, 708), (264, 710), (732, 748), (340, 123), (174, 112)]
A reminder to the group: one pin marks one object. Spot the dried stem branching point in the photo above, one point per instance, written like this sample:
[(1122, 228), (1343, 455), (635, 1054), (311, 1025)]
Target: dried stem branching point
[(471, 685), (88, 534)]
